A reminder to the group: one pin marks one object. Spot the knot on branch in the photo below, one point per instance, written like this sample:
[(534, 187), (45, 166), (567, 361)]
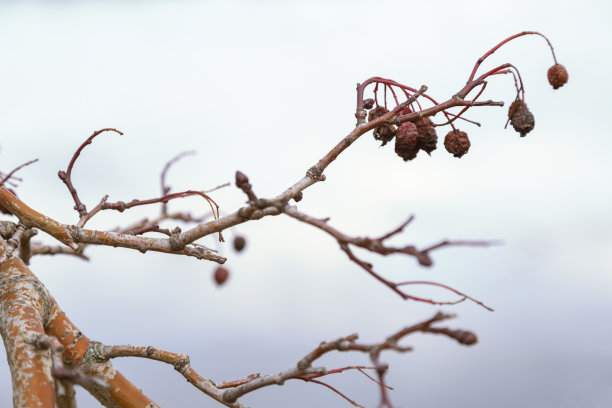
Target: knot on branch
[(181, 364), (175, 242), (7, 229), (95, 353), (315, 174)]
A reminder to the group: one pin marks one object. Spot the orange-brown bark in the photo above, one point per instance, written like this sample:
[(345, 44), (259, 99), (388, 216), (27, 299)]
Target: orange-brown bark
[(27, 309), (21, 316)]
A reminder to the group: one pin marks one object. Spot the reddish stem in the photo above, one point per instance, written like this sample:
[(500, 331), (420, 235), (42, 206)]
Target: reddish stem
[(492, 50)]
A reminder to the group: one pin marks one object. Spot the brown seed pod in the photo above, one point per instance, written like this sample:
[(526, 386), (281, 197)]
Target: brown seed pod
[(407, 141), (457, 143), (386, 133), (376, 113), (557, 76), (523, 121), (221, 274), (368, 103), (516, 106), (239, 243), (428, 138)]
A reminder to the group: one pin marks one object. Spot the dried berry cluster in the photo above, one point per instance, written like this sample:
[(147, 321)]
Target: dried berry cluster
[(410, 137)]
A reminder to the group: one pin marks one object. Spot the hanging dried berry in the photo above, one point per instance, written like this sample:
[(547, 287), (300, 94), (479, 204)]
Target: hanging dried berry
[(221, 275), (368, 103), (386, 133), (557, 76), (521, 118), (376, 113), (428, 138), (407, 141), (457, 143), (239, 243)]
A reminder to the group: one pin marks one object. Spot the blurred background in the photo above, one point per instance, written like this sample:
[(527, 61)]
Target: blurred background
[(267, 88)]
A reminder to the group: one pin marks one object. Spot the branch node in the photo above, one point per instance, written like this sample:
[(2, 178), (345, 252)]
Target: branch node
[(175, 242), (314, 173)]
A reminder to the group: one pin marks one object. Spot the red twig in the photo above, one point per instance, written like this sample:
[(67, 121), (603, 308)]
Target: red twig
[(447, 288), (492, 50), (66, 176), (334, 390), (15, 170)]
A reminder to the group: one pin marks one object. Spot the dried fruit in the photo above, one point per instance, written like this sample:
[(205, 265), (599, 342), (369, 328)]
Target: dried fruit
[(383, 132), (386, 133), (517, 105), (523, 121), (457, 143), (428, 138), (376, 113), (557, 76), (221, 275), (239, 243), (407, 141), (368, 103)]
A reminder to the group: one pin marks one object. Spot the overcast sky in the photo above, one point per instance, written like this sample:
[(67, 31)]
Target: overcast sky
[(268, 88)]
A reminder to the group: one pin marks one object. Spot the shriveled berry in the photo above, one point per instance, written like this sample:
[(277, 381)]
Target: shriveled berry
[(516, 106), (457, 143), (376, 113), (523, 121), (386, 133), (557, 76), (428, 139), (368, 103), (221, 275), (407, 141), (239, 243)]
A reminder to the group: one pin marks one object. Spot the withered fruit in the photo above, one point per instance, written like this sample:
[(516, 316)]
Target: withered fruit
[(368, 103), (521, 118), (385, 133), (557, 76), (457, 143), (376, 113), (221, 274), (428, 138), (239, 243), (523, 121), (516, 106), (407, 141)]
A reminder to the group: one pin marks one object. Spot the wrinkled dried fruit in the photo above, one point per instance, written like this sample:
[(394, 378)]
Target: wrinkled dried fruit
[(428, 139), (385, 133), (239, 243), (516, 106), (523, 121), (457, 143), (376, 113), (407, 141), (368, 103), (221, 275), (557, 76)]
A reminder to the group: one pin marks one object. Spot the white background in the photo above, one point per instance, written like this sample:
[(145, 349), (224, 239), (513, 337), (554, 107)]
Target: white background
[(268, 88)]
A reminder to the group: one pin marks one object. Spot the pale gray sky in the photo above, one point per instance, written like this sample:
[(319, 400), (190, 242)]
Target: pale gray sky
[(267, 88)]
